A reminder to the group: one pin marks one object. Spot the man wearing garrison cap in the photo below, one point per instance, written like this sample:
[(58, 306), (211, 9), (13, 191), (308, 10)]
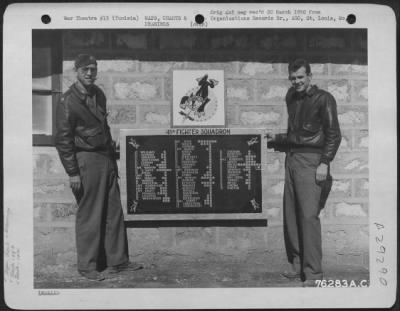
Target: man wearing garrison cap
[(87, 152)]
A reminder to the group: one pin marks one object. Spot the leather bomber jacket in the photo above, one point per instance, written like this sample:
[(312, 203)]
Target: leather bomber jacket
[(80, 129), (313, 124)]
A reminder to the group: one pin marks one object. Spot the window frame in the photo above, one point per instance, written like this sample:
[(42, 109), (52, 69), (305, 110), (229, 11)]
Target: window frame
[(54, 40)]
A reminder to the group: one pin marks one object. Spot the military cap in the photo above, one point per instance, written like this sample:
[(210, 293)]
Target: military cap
[(83, 60)]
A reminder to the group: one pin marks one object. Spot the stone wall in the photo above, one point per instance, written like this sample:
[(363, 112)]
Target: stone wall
[(135, 71)]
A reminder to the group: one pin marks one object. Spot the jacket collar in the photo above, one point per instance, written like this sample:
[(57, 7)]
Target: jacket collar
[(311, 90), (81, 91), (308, 93)]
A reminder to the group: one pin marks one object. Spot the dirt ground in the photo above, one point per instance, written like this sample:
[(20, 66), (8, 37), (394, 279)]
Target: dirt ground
[(201, 274)]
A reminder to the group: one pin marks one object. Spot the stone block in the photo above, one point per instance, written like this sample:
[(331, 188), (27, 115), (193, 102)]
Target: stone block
[(340, 90), (53, 246), (167, 91), (130, 40), (335, 238), (64, 212), (46, 162), (160, 67), (346, 143), (239, 241), (116, 66), (274, 212), (348, 69), (137, 88), (121, 114), (353, 116), (258, 69), (40, 212), (260, 116), (321, 83), (157, 119), (115, 132), (341, 188), (51, 189), (58, 240), (86, 39), (350, 210), (104, 82), (275, 239), (360, 91), (155, 115), (68, 66), (273, 188), (192, 241), (167, 237), (361, 139), (53, 212), (325, 213), (340, 69), (231, 114), (363, 230), (319, 69), (346, 240), (143, 240), (272, 91), (239, 90), (275, 163), (67, 80), (350, 163), (105, 66), (359, 70), (282, 68), (361, 187)]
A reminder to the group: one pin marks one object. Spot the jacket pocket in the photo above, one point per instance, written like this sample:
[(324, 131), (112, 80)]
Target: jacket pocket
[(94, 137), (312, 134), (311, 127), (90, 132)]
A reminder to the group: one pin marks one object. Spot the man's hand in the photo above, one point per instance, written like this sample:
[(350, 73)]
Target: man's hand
[(75, 183), (322, 173), (270, 137)]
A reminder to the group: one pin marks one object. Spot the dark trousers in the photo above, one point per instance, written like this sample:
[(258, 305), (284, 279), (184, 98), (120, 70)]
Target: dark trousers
[(302, 203), (100, 229)]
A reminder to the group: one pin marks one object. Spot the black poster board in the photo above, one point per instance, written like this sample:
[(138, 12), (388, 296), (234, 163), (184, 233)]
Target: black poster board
[(202, 173)]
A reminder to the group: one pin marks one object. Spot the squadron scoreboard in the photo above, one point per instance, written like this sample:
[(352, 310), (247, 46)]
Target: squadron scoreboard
[(192, 171)]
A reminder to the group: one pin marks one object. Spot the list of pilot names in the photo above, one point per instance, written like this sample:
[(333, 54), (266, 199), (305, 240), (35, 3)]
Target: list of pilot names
[(191, 172), (147, 167)]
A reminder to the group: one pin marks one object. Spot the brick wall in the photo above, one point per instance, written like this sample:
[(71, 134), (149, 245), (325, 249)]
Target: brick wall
[(135, 70)]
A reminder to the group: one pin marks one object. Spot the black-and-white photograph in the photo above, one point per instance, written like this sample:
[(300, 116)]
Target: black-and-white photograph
[(250, 171), (308, 88)]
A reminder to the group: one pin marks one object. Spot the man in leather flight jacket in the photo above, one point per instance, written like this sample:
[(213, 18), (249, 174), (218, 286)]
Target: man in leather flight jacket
[(87, 152), (311, 142)]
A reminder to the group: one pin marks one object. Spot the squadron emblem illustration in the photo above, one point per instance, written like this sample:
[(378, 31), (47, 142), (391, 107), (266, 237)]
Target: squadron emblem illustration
[(199, 103)]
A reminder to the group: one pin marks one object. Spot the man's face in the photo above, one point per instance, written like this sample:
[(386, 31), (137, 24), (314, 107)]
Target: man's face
[(87, 74), (300, 79)]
